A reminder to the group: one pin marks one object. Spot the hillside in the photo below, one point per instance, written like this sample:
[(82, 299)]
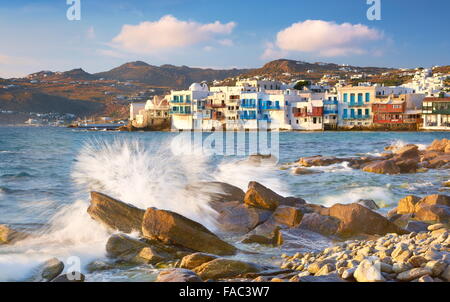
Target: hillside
[(166, 75)]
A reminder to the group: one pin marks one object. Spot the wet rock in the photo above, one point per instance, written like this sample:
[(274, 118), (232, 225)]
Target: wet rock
[(357, 219), (304, 171), (266, 233), (413, 274), (217, 191), (407, 204), (439, 161), (439, 145), (178, 275), (8, 235), (240, 218), (194, 260), (70, 277), (429, 155), (225, 268), (172, 228), (99, 265), (115, 214), (325, 225), (408, 152), (319, 160), (407, 165), (51, 269), (367, 271), (259, 196), (416, 226), (288, 216), (368, 203), (382, 167)]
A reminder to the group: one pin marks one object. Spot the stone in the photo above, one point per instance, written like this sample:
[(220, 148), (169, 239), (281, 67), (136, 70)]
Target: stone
[(417, 260), (429, 155), (426, 278), (172, 228), (382, 167), (446, 274), (288, 216), (194, 260), (115, 214), (321, 224), (367, 271), (8, 235), (319, 160), (368, 203), (315, 267), (178, 275), (303, 171), (401, 267), (348, 273), (98, 265), (436, 226), (259, 196), (225, 268), (332, 277), (435, 199), (70, 277), (357, 219), (413, 274), (407, 204), (416, 226), (266, 233), (151, 255), (439, 145), (439, 162), (325, 270), (401, 253), (433, 213), (217, 191), (50, 269), (408, 152), (437, 267), (407, 165), (237, 217)]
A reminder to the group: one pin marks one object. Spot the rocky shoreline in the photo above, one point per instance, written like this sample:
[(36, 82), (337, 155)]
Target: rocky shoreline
[(410, 243)]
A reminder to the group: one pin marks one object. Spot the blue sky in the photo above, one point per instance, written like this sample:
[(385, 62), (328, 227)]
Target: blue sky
[(36, 35)]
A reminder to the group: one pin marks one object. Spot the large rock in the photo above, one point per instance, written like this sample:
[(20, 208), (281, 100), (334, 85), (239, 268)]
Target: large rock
[(325, 225), (237, 217), (367, 271), (407, 204), (172, 228), (368, 203), (439, 161), (433, 213), (382, 167), (194, 260), (408, 165), (70, 277), (288, 216), (259, 196), (225, 268), (115, 214), (414, 274), (266, 233), (332, 277), (439, 145), (429, 155), (178, 275), (435, 199), (357, 219), (217, 191), (51, 269), (319, 160), (8, 235), (407, 152)]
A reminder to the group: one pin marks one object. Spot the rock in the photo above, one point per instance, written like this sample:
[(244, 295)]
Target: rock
[(407, 165), (266, 233), (151, 255), (303, 171), (292, 201), (439, 145), (446, 184), (433, 213), (407, 152), (436, 267), (178, 275), (439, 162), (368, 272), (436, 226), (382, 167), (172, 228), (407, 204), (429, 155), (321, 224), (51, 269), (289, 216), (435, 199), (320, 161), (357, 219), (401, 253), (240, 218), (417, 260), (194, 260), (401, 267), (217, 191), (70, 277), (99, 265), (348, 273), (332, 277), (413, 274), (426, 278), (446, 274), (8, 235), (259, 196), (368, 203), (416, 226), (115, 214), (225, 268), (315, 267)]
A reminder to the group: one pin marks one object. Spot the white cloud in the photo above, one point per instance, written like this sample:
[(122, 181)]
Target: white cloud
[(168, 33), (226, 42), (327, 39)]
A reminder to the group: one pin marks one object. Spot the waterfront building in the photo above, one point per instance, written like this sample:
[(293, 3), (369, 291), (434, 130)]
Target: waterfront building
[(330, 111), (436, 113), (307, 115), (154, 115), (135, 108), (398, 111)]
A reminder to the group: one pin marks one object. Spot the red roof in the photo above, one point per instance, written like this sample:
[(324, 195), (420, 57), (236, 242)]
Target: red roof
[(430, 99)]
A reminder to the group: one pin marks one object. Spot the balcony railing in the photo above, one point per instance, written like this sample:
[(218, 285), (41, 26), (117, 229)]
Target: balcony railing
[(356, 104), (356, 117), (270, 107), (215, 106), (248, 105), (335, 111), (180, 101)]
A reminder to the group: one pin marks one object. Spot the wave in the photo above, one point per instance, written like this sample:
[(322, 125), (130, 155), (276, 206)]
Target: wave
[(16, 175), (383, 196)]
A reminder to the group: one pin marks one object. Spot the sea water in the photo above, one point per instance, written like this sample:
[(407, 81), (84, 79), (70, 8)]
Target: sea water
[(47, 173)]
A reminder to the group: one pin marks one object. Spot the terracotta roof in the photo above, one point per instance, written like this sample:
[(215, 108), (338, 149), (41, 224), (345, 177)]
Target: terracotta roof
[(430, 99)]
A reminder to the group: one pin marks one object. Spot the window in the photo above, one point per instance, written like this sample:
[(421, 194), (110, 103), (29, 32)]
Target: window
[(367, 96), (345, 112), (360, 97), (367, 112), (352, 97), (345, 97)]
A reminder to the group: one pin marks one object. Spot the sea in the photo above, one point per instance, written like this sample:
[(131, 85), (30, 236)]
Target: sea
[(47, 174)]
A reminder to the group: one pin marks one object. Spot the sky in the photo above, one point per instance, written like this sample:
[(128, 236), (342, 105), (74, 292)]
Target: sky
[(38, 35)]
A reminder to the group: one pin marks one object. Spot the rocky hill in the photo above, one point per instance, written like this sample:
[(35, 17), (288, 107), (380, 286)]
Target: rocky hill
[(166, 75)]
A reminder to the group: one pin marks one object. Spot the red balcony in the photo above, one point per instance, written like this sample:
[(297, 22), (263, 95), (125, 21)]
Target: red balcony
[(215, 106), (388, 108)]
